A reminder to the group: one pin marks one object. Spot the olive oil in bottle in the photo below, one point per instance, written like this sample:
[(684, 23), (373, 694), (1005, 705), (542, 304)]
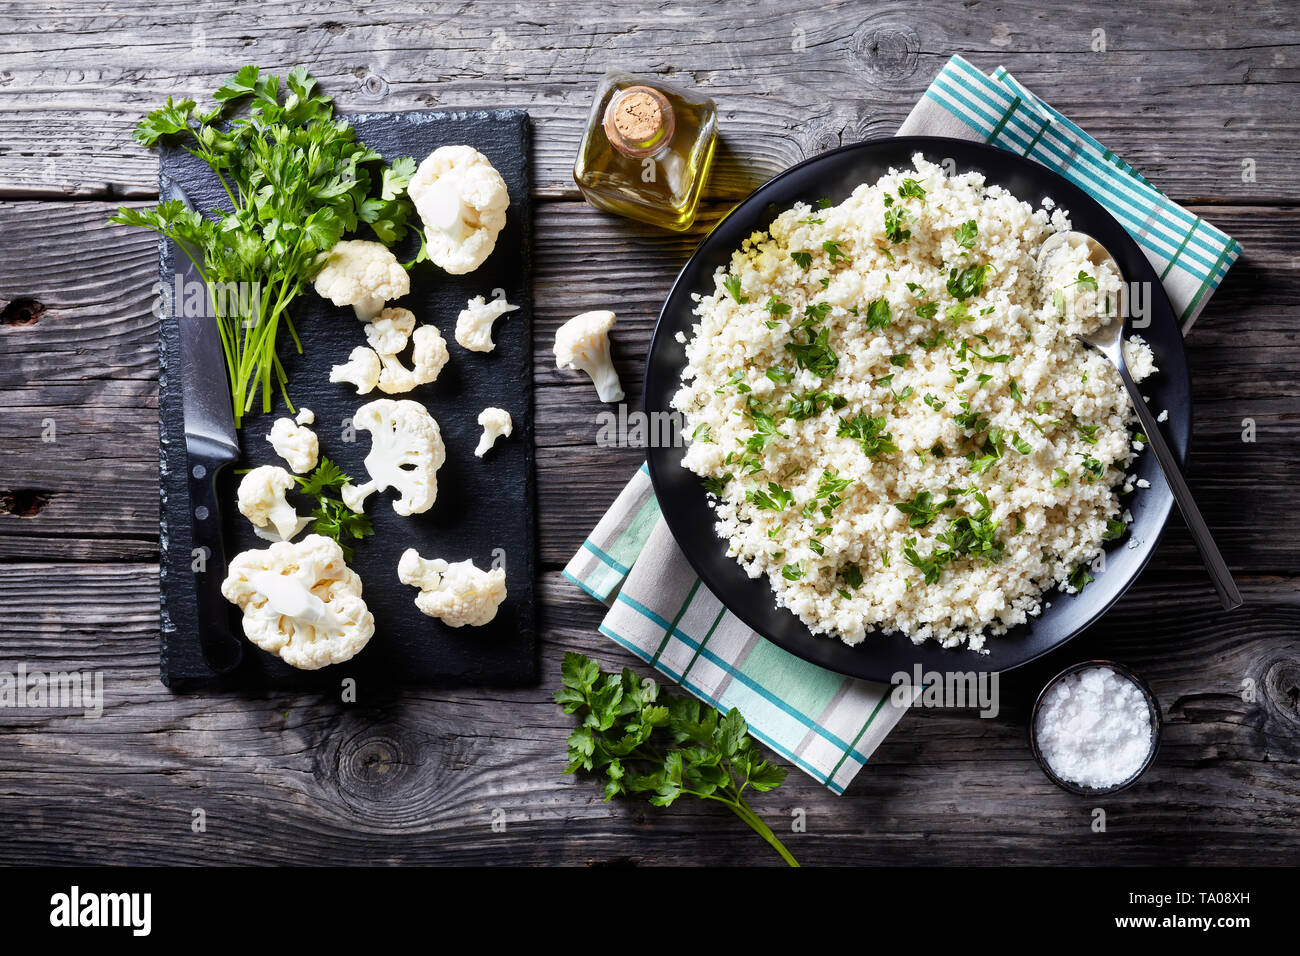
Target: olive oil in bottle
[(646, 150)]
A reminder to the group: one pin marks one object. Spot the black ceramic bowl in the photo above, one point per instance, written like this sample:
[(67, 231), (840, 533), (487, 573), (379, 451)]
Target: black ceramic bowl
[(1152, 703), (685, 506)]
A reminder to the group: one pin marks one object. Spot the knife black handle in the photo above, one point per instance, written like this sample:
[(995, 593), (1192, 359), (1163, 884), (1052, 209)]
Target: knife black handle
[(222, 648)]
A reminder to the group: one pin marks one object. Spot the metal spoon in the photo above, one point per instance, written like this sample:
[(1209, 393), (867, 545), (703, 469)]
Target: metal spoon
[(1108, 340)]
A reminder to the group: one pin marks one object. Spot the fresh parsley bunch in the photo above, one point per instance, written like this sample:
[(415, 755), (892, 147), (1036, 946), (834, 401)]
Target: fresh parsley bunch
[(298, 180), (662, 745)]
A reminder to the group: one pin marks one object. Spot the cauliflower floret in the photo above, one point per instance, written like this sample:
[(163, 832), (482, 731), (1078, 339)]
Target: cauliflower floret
[(459, 594), (406, 452), (362, 369), (474, 323), (388, 335), (496, 422), (582, 343), (361, 274), (462, 201), (261, 500), (296, 444), (305, 416), (301, 602)]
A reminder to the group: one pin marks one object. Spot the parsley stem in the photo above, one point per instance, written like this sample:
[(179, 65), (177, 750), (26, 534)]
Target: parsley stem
[(741, 809)]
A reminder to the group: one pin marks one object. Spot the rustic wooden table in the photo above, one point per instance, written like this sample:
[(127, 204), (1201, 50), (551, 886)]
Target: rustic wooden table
[(1199, 96)]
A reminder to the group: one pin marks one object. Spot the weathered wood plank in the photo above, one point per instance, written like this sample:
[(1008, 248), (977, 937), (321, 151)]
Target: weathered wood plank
[(415, 776), (791, 80)]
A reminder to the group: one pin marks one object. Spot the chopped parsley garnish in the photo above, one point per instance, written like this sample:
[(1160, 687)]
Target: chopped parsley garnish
[(732, 285), (927, 310), (802, 259), (965, 234), (1015, 391), (922, 509), (869, 432), (815, 353), (775, 498), (808, 404), (878, 314), (900, 360), (835, 252), (793, 572), (777, 307), (1062, 478), (911, 189), (1114, 529), (968, 282), (714, 486), (896, 230)]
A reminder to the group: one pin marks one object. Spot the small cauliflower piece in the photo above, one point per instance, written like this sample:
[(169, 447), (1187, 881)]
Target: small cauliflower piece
[(388, 335), (582, 344), (474, 323), (301, 602), (496, 422), (261, 499), (305, 416), (462, 201), (458, 594), (362, 370), (296, 444), (361, 274), (406, 451)]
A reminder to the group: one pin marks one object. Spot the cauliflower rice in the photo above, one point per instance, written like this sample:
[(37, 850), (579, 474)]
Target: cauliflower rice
[(893, 417)]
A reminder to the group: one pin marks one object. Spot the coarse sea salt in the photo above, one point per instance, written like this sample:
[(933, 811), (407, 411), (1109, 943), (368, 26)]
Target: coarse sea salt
[(1094, 728)]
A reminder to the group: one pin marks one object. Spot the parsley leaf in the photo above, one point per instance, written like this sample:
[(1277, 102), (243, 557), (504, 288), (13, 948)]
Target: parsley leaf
[(661, 745)]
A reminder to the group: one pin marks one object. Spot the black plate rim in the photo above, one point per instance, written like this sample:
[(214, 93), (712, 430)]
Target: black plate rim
[(830, 652)]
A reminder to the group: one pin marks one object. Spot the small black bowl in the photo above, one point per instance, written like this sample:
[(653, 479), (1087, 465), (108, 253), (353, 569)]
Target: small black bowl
[(1152, 703)]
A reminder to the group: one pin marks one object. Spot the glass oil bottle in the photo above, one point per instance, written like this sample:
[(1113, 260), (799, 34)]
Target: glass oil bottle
[(646, 150)]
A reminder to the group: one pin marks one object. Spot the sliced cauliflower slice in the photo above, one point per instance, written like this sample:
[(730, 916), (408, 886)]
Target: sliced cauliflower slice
[(296, 444), (582, 343), (301, 602), (496, 422), (406, 451), (388, 335), (462, 201), (362, 370), (261, 499), (474, 323), (459, 594), (361, 274)]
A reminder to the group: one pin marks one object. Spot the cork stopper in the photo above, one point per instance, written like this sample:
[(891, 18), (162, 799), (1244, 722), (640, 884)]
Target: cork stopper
[(639, 121)]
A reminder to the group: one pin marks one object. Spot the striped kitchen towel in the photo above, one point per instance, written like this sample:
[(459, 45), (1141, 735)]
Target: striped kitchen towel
[(824, 723), (1190, 255)]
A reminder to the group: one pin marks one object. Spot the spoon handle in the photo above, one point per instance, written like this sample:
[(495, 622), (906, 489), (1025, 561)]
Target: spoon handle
[(1214, 563)]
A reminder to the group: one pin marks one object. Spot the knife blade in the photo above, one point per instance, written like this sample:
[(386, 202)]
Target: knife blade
[(211, 446)]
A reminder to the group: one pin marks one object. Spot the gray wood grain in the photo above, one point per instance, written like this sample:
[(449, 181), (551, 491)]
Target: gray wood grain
[(1186, 92), (790, 79)]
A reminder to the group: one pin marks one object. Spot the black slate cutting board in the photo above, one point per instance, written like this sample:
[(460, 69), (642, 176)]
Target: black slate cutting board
[(485, 507)]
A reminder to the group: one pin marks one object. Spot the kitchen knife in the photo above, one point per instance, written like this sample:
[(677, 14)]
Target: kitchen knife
[(211, 445)]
